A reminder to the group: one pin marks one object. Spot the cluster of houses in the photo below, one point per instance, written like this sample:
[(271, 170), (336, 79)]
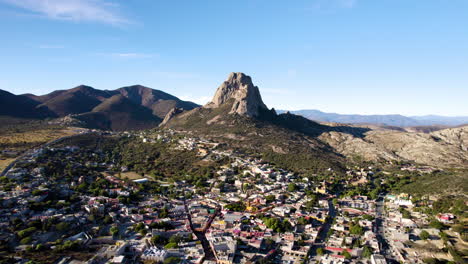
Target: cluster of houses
[(252, 212)]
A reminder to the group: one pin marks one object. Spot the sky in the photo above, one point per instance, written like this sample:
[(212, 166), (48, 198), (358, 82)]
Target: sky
[(405, 57)]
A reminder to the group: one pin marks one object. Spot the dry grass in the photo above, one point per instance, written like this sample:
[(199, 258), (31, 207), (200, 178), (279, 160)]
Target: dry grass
[(4, 163), (33, 137), (131, 175)]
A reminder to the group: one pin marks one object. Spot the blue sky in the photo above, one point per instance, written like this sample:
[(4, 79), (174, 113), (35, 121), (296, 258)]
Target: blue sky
[(345, 56)]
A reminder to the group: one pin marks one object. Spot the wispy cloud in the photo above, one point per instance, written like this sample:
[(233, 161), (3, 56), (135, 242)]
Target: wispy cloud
[(133, 55), (51, 47), (129, 55), (201, 100), (101, 11)]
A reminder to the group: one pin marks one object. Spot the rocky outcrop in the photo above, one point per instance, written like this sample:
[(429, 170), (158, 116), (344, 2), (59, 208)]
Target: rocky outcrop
[(444, 148), (239, 90), (173, 112)]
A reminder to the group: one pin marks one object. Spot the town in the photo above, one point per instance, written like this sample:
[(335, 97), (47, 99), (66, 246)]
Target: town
[(82, 205)]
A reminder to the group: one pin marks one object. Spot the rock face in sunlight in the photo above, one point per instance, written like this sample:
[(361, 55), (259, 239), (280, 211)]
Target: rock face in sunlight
[(239, 90)]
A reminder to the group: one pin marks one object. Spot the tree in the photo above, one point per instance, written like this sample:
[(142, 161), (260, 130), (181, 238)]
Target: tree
[(175, 239), (170, 245), (436, 224), (26, 240), (443, 236), (346, 254), (158, 240), (320, 251), (292, 187), (171, 260), (424, 235), (270, 198), (366, 252), (107, 219), (356, 229), (62, 226), (114, 231)]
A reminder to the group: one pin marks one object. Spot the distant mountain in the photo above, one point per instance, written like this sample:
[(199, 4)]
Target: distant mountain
[(132, 107), (388, 120), (442, 120)]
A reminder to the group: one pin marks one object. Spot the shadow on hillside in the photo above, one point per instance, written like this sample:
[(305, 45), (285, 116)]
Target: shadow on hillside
[(303, 125)]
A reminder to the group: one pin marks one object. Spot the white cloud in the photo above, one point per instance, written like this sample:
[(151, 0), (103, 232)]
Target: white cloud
[(101, 11), (201, 100)]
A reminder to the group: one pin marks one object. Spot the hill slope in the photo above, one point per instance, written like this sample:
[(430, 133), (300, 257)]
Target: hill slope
[(143, 107), (119, 113), (159, 102), (21, 106)]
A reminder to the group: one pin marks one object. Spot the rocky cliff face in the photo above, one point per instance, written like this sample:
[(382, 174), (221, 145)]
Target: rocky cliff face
[(245, 97), (174, 111)]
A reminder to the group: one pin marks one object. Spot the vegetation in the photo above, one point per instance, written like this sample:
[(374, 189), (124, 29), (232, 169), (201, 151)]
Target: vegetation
[(424, 235), (236, 207), (279, 226)]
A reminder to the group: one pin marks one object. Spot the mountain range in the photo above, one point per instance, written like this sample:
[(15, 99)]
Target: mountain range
[(131, 107), (388, 120), (238, 117)]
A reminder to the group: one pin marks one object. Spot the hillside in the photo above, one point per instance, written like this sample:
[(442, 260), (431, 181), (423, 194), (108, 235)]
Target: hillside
[(158, 101), (20, 106), (119, 113), (443, 148), (142, 108)]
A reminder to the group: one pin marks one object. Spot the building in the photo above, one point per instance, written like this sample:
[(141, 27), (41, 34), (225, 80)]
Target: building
[(378, 259)]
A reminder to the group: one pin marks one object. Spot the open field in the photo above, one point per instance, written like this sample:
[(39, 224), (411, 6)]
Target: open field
[(18, 135), (12, 140), (129, 175)]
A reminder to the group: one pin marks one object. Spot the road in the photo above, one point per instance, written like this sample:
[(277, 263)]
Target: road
[(201, 234), (322, 235), (380, 230)]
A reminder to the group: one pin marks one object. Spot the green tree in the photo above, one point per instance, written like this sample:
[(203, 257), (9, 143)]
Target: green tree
[(170, 245), (292, 187), (26, 240), (436, 224), (114, 231), (172, 260), (356, 229), (424, 235), (346, 254), (366, 252), (62, 226), (320, 251)]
